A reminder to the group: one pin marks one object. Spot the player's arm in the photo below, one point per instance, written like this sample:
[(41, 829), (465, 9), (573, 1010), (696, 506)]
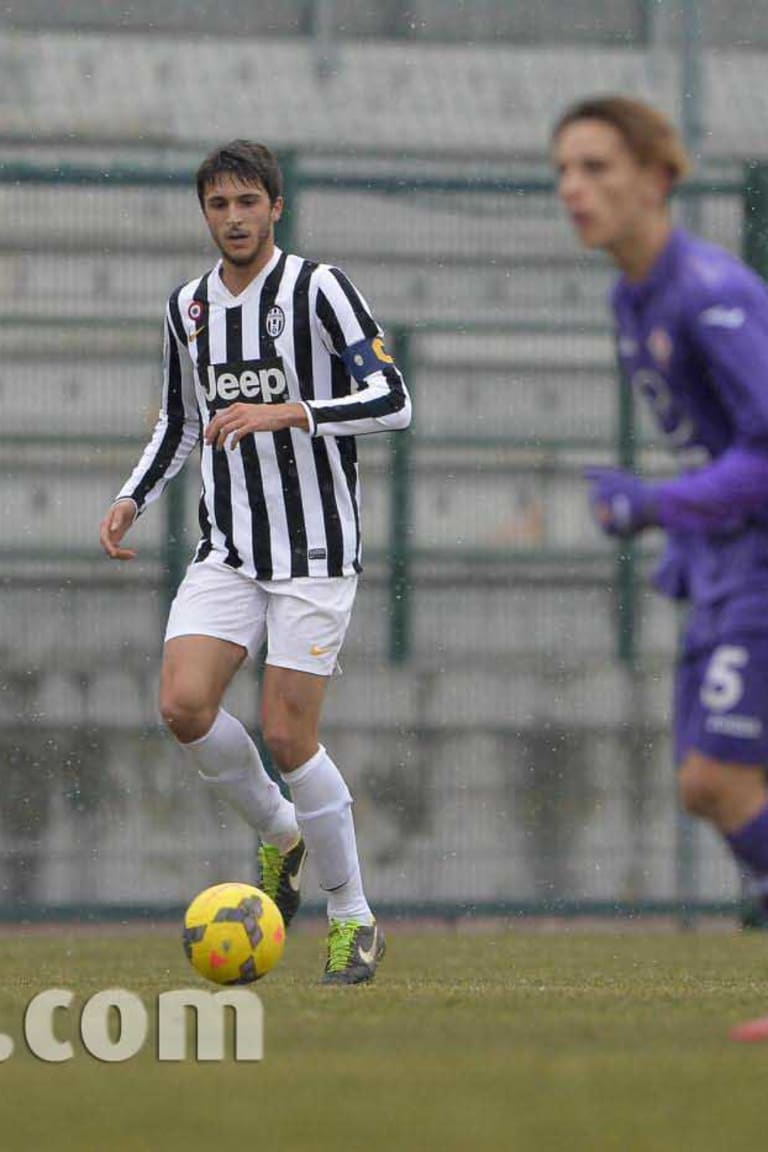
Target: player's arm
[(241, 419), (717, 498), (380, 402), (728, 334), (348, 330), (113, 528), (727, 327), (175, 435)]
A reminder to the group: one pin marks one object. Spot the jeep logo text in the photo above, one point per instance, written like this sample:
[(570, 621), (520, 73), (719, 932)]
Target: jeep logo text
[(257, 381)]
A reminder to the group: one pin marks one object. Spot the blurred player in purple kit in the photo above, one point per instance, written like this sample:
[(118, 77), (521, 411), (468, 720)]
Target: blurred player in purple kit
[(692, 332)]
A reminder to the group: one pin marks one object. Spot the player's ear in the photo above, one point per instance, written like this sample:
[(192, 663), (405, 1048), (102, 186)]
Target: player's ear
[(657, 185), (277, 209)]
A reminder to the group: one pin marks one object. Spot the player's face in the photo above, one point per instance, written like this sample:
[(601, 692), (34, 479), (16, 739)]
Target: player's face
[(608, 194), (241, 220)]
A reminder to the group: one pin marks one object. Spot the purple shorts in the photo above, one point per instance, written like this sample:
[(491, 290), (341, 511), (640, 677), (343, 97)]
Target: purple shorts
[(721, 699)]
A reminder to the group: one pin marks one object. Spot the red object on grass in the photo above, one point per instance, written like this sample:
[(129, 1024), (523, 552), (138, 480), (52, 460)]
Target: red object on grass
[(752, 1032)]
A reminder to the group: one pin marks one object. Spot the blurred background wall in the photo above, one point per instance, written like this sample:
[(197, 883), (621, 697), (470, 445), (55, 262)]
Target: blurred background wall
[(502, 716)]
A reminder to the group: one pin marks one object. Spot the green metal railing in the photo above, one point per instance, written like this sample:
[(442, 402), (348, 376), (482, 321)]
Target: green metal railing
[(403, 551), (401, 557)]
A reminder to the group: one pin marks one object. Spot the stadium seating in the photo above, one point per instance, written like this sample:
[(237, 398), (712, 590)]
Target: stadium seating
[(512, 691), (381, 96), (621, 22)]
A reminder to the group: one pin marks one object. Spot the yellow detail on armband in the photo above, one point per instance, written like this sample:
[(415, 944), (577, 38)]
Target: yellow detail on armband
[(379, 352)]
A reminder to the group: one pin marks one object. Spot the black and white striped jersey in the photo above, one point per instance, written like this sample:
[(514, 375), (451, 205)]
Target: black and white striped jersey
[(283, 504)]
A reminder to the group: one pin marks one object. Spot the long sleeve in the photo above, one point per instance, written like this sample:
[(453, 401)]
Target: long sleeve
[(379, 401), (727, 326), (177, 430), (720, 496)]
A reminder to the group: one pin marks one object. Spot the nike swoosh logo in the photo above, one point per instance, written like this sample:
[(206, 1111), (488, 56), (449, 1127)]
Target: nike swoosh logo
[(294, 878), (369, 957), (197, 332), (316, 650)]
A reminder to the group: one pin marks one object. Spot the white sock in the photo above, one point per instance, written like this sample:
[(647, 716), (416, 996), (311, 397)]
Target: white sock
[(324, 814), (348, 902), (229, 763)]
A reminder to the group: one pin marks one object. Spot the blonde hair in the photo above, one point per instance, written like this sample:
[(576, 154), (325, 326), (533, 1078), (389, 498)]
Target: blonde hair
[(647, 133)]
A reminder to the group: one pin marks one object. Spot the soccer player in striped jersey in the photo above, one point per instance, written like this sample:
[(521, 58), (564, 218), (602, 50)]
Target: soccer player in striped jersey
[(275, 364), (692, 334)]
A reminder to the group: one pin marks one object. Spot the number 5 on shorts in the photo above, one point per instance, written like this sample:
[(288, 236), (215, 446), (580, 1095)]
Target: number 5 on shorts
[(723, 684)]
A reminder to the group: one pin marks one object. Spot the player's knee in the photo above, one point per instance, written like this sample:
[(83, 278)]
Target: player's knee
[(287, 746), (185, 713), (282, 745), (700, 789)]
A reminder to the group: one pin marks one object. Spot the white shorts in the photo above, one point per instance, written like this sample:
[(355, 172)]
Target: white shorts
[(304, 620)]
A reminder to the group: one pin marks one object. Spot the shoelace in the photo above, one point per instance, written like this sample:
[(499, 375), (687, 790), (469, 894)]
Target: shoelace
[(341, 941)]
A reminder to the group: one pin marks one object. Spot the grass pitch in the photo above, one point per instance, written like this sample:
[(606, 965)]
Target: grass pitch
[(466, 1043)]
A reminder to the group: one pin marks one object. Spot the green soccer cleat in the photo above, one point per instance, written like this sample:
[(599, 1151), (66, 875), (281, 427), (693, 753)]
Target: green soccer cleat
[(354, 950), (280, 876)]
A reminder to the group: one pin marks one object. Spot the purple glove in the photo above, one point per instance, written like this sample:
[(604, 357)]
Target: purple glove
[(621, 503)]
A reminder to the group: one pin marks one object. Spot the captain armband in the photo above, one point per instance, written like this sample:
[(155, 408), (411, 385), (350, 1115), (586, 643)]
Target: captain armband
[(366, 357)]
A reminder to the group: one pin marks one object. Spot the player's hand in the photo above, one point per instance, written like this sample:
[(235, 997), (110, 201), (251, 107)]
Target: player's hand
[(240, 420), (622, 504), (114, 526)]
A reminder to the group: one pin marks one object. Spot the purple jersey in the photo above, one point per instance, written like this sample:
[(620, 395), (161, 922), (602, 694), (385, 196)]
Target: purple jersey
[(693, 339)]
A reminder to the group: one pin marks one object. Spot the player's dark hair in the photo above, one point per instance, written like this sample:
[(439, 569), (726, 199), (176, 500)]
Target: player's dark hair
[(247, 162), (647, 133)]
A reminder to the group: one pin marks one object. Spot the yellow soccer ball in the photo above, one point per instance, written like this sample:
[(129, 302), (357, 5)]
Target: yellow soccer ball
[(233, 933)]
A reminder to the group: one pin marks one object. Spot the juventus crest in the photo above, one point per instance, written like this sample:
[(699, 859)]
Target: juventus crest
[(275, 321)]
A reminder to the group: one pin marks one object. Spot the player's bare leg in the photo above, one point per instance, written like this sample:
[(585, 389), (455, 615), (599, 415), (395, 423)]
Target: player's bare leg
[(291, 705), (196, 672), (728, 795), (734, 799)]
